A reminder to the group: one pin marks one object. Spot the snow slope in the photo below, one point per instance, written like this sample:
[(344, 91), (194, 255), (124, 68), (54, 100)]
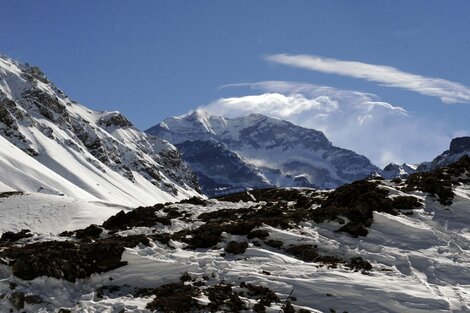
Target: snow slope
[(66, 148), (420, 261), (45, 213)]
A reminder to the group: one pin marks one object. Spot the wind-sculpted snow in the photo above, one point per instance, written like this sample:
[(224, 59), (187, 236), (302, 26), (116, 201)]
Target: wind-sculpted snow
[(83, 153), (259, 251), (256, 151)]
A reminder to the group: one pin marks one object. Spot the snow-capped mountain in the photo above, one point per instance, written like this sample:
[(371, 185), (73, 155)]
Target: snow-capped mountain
[(51, 144), (258, 151), (394, 170)]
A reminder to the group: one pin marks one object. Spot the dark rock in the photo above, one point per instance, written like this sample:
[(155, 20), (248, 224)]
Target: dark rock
[(305, 253), (195, 201), (91, 232), (17, 300), (358, 263), (221, 295), (354, 229), (33, 299), (69, 260), (405, 203), (287, 307), (259, 308), (9, 237), (357, 201), (115, 119), (459, 145), (140, 217), (258, 233), (185, 277), (266, 295), (274, 243), (234, 247), (7, 194), (178, 298)]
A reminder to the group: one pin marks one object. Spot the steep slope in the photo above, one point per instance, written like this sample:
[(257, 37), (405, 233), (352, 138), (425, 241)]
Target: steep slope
[(459, 147), (218, 168), (88, 154), (270, 151)]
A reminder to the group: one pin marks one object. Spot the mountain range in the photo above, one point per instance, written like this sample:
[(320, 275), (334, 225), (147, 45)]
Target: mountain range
[(256, 151), (98, 216), (54, 145)]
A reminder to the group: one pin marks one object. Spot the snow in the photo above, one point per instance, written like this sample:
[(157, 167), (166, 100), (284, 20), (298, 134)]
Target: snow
[(22, 172), (118, 173), (44, 213), (421, 264), (266, 145)]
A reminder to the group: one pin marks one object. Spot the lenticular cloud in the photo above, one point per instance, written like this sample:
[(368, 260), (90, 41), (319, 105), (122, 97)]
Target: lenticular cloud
[(447, 91)]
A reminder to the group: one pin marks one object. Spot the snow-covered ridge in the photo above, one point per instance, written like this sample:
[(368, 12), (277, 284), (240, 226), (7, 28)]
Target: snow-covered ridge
[(72, 150), (272, 152)]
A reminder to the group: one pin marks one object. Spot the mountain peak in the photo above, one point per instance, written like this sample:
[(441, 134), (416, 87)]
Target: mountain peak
[(459, 144), (264, 151)]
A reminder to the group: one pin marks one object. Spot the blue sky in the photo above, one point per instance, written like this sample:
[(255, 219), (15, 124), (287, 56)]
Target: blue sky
[(153, 59)]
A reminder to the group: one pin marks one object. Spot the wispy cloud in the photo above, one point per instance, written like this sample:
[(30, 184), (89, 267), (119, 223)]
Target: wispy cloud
[(359, 121), (447, 91)]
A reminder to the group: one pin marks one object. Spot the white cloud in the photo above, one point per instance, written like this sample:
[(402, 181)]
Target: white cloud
[(447, 91), (350, 119)]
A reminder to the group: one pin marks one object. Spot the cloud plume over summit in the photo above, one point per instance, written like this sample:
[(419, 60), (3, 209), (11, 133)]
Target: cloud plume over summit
[(351, 119)]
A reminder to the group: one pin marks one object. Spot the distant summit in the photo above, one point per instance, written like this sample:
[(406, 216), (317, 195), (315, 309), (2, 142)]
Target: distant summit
[(394, 170), (256, 151)]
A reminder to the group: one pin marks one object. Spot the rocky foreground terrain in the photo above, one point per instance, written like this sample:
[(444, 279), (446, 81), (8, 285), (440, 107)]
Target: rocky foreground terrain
[(369, 246)]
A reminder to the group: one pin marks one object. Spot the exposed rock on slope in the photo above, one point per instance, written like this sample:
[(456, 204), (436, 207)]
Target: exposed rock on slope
[(459, 147), (80, 152)]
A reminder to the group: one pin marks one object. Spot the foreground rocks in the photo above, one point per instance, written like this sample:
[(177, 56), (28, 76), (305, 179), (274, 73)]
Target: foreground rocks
[(69, 260), (98, 249)]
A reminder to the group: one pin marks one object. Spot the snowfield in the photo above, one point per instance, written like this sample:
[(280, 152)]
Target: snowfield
[(420, 261), (44, 213)]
